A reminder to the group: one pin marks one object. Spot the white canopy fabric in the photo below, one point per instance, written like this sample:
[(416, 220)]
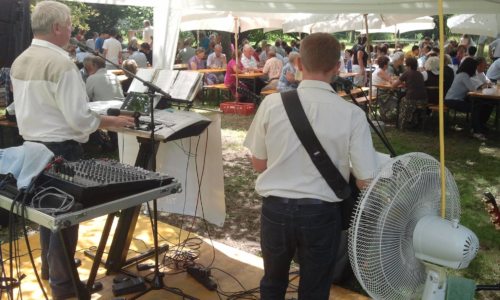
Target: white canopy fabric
[(423, 23), (480, 24), (342, 22), (424, 7), (167, 13), (224, 21)]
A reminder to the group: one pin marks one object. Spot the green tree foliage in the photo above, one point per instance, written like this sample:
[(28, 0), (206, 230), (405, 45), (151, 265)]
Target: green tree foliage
[(99, 17)]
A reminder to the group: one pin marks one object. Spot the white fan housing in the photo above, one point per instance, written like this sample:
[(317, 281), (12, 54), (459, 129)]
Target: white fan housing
[(384, 237)]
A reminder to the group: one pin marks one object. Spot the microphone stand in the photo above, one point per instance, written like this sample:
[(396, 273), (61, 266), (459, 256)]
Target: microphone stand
[(378, 131), (157, 282)]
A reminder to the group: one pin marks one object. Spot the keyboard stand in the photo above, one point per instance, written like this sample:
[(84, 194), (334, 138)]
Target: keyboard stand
[(117, 257), (56, 223)]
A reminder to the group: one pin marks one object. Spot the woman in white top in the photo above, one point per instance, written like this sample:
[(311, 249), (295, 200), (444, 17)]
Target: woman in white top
[(387, 99)]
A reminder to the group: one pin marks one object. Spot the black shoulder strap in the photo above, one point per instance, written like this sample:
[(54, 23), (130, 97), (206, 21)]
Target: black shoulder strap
[(308, 138)]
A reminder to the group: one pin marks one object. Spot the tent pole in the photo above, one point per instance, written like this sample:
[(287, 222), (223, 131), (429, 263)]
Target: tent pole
[(441, 106), (236, 56), (368, 73)]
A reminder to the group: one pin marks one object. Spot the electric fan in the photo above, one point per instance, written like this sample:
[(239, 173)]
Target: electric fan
[(398, 243)]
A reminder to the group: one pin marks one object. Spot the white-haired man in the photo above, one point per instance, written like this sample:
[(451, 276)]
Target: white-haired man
[(247, 59), (47, 83)]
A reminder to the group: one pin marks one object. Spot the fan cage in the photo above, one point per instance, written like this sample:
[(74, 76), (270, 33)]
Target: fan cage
[(381, 233)]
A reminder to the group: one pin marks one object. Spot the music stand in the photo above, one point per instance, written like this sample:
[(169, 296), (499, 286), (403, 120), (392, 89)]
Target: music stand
[(157, 282)]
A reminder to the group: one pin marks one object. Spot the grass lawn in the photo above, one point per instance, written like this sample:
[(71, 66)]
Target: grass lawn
[(475, 166)]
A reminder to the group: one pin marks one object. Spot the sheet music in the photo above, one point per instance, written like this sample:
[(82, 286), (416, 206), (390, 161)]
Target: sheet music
[(185, 85), (139, 87), (165, 78)]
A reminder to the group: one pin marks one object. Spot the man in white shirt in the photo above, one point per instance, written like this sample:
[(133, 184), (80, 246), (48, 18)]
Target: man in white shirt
[(101, 85), (272, 69), (52, 109), (147, 33), (247, 59), (139, 57), (494, 71), (495, 49), (217, 59), (300, 212), (480, 79), (112, 50)]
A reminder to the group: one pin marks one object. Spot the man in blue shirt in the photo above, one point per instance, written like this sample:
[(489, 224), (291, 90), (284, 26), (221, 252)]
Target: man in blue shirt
[(100, 41)]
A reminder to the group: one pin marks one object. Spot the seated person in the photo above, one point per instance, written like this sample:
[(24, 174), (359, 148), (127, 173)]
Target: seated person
[(431, 79), (250, 65), (414, 52), (231, 69), (248, 60), (197, 62), (100, 85), (272, 69), (413, 104), (396, 66), (87, 62), (146, 49), (449, 73), (216, 60), (140, 58), (456, 98), (494, 71), (131, 66), (387, 98), (480, 80), (287, 79)]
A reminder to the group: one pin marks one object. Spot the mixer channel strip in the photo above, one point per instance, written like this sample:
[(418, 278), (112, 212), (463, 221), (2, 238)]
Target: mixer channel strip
[(96, 181)]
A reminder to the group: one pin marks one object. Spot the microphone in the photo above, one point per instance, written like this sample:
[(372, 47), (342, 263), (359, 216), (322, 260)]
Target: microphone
[(119, 112), (346, 84), (82, 46)]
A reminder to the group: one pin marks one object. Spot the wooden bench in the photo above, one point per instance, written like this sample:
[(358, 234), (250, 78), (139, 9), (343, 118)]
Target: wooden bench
[(354, 91), (219, 88), (268, 92)]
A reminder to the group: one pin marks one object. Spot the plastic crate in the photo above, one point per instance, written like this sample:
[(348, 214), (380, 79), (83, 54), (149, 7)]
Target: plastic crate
[(239, 108)]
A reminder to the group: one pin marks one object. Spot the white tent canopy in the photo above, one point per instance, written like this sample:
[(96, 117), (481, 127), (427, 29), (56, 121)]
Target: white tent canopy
[(343, 22), (480, 24), (224, 21), (424, 7), (423, 23)]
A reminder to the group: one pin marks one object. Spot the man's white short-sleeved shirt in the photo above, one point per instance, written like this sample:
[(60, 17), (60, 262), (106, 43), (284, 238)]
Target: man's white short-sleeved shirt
[(340, 126), (114, 48)]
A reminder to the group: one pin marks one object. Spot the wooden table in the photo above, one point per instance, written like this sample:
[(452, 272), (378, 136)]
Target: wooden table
[(492, 98), (348, 74), (251, 75), (206, 71)]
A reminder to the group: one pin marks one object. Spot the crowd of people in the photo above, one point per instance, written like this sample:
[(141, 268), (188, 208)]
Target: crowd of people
[(413, 78), (270, 60)]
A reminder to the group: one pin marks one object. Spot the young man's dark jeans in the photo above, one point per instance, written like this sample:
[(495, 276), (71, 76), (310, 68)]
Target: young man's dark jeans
[(314, 231), (53, 260)]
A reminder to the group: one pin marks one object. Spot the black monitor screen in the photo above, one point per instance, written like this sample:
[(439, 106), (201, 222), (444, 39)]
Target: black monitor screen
[(137, 102)]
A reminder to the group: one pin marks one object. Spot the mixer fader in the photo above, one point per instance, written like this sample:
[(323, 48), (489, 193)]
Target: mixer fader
[(95, 181)]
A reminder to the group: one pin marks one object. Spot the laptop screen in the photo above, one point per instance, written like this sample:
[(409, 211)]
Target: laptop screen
[(138, 102)]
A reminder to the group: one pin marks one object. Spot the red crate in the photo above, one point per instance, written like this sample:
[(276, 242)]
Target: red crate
[(239, 108)]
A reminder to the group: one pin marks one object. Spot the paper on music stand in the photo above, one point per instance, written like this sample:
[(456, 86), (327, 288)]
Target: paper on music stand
[(139, 87), (185, 85)]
